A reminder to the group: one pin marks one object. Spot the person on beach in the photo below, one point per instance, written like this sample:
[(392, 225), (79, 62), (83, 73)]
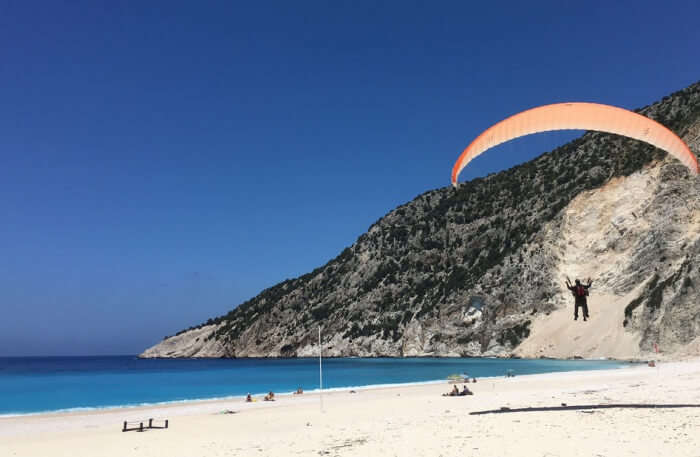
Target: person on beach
[(248, 398), (299, 391), (465, 391), (454, 393), (270, 396), (580, 292)]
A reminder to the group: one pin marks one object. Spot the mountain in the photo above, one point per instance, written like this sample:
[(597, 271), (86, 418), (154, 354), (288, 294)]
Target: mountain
[(480, 271)]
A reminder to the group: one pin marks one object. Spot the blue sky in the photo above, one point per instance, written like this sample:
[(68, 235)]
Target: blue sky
[(164, 161)]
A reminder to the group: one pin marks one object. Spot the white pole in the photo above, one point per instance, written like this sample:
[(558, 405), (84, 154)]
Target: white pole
[(320, 368)]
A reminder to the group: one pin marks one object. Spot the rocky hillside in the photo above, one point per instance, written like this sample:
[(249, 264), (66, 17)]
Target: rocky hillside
[(480, 270)]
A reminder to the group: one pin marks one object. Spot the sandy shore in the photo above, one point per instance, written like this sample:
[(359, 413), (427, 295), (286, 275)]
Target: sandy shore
[(657, 413)]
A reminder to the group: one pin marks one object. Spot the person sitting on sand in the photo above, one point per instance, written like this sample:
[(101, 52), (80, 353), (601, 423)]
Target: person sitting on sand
[(299, 391), (465, 391), (270, 396), (248, 398), (454, 393)]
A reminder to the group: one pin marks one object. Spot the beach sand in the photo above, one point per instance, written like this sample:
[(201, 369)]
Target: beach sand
[(410, 420)]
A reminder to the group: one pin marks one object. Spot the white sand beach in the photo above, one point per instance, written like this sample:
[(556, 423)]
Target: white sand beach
[(636, 411)]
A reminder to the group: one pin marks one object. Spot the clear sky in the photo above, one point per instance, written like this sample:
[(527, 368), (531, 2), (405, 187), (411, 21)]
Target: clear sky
[(164, 161)]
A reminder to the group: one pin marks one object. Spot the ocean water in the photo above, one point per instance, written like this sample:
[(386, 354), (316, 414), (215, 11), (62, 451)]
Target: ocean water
[(42, 384)]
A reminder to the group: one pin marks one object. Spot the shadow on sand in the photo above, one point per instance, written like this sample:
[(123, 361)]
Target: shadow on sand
[(565, 407)]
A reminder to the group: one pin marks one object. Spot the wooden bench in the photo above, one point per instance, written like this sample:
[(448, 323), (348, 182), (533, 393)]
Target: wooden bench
[(138, 425)]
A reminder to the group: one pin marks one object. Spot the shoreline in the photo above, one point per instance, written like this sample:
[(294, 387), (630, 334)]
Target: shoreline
[(175, 405), (632, 410), (230, 398)]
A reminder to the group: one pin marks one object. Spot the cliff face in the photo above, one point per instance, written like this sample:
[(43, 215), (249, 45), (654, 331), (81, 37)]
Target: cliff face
[(480, 270), (639, 237)]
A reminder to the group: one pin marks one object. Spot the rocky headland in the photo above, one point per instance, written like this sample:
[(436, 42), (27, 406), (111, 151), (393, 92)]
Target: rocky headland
[(479, 271)]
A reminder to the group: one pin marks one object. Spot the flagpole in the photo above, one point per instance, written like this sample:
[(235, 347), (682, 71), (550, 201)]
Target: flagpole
[(320, 368)]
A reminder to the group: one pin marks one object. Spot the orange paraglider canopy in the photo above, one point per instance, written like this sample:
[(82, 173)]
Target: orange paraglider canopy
[(578, 116)]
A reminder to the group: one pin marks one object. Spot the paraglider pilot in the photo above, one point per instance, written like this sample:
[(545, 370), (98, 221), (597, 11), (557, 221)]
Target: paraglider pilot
[(580, 292)]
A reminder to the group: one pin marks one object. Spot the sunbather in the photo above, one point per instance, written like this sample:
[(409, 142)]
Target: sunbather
[(465, 391), (454, 393)]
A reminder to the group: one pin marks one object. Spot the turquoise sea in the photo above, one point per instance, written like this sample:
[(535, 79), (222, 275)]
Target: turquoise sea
[(42, 384)]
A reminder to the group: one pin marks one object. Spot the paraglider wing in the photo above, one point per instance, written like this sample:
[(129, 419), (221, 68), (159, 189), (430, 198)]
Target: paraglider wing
[(578, 116)]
